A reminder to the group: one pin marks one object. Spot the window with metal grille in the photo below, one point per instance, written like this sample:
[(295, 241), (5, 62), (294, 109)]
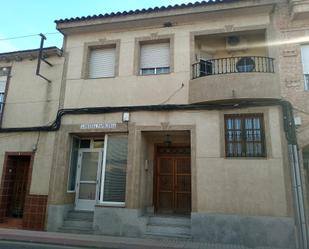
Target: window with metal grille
[(244, 135), (155, 58), (101, 63)]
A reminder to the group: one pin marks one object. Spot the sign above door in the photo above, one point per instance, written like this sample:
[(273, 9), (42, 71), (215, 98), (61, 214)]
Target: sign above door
[(98, 126)]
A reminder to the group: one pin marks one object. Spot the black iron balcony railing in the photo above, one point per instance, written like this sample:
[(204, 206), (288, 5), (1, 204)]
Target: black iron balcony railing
[(245, 64)]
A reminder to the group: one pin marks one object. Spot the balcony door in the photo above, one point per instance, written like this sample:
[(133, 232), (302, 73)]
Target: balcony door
[(88, 178)]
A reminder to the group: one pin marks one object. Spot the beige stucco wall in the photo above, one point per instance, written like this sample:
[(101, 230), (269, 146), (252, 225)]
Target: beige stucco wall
[(42, 163), (219, 185), (130, 89), (32, 101), (234, 86), (255, 45)]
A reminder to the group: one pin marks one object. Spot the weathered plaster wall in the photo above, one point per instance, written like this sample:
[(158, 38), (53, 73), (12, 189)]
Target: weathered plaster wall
[(222, 185)]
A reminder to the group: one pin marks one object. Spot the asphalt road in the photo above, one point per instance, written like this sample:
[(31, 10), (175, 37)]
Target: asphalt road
[(24, 245)]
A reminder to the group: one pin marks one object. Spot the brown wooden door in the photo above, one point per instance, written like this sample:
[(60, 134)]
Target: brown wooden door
[(173, 184), (19, 186)]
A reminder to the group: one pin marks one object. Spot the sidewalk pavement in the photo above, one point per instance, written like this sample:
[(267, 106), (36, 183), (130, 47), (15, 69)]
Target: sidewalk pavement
[(99, 241)]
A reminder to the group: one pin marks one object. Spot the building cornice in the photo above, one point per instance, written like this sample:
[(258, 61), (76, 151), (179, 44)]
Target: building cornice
[(156, 16)]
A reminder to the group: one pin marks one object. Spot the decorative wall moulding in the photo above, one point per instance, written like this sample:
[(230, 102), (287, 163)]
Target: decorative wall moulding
[(299, 9)]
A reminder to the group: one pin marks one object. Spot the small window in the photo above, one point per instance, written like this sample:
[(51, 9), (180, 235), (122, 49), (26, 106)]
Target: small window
[(3, 82), (101, 63), (98, 143), (85, 143), (244, 135), (305, 61), (155, 58)]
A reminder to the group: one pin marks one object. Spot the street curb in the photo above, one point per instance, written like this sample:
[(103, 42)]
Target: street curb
[(77, 240)]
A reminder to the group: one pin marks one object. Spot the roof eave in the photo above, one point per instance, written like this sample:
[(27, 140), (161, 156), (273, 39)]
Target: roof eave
[(29, 54), (117, 21)]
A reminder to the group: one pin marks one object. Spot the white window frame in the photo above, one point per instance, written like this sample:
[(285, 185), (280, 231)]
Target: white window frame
[(306, 79), (156, 70), (5, 82), (305, 47), (101, 199), (91, 147), (91, 50), (79, 203)]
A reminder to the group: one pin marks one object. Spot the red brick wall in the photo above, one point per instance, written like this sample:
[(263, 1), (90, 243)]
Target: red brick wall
[(35, 212)]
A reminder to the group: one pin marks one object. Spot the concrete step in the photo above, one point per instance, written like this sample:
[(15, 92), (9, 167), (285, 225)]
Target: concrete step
[(169, 220), (168, 229), (80, 215), (78, 223), (76, 230)]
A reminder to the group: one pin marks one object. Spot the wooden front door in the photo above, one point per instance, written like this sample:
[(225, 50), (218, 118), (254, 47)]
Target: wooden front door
[(19, 186), (173, 180)]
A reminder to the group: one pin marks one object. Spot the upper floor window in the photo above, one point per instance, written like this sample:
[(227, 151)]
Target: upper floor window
[(305, 60), (3, 82), (101, 62), (155, 58), (244, 135)]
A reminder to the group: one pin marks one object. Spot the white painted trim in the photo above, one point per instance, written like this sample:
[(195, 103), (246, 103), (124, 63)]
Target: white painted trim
[(103, 169), (84, 204)]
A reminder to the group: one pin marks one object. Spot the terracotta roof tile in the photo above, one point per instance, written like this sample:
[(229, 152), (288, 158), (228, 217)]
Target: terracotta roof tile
[(143, 11)]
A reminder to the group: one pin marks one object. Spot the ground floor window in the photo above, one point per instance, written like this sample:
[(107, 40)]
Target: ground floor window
[(244, 135), (107, 166), (114, 170)]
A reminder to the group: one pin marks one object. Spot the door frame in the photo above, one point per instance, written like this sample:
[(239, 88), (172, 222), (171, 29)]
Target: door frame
[(155, 170), (85, 203), (4, 170)]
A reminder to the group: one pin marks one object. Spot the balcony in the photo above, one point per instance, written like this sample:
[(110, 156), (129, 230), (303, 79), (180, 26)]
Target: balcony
[(243, 77)]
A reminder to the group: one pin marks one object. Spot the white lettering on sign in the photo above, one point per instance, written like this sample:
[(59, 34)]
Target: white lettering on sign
[(99, 126)]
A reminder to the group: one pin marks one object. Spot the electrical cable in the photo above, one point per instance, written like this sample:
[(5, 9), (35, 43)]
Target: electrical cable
[(26, 36), (222, 105), (173, 94)]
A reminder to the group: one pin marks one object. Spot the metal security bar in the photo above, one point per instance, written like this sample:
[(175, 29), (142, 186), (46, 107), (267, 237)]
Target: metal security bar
[(244, 64)]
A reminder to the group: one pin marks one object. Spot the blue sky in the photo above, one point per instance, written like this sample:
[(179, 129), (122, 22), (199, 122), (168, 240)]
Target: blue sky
[(25, 17)]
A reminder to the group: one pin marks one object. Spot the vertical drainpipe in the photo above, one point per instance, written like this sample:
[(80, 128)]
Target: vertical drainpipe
[(297, 185)]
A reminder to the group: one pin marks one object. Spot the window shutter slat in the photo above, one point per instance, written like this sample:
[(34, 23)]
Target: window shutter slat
[(305, 58), (155, 55), (102, 63), (115, 169)]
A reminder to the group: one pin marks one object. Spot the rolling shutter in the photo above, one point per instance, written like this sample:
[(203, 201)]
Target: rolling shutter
[(305, 58), (115, 169), (155, 55), (102, 63)]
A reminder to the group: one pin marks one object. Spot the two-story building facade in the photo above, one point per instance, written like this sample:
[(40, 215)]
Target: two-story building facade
[(175, 111), (173, 122), (28, 102)]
